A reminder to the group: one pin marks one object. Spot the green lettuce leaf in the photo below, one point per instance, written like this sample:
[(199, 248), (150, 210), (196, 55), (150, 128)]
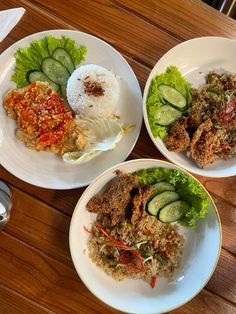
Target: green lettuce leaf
[(30, 58), (188, 189), (171, 77)]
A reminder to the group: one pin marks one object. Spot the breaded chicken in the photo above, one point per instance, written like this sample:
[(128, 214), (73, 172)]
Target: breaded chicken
[(178, 139), (116, 199), (203, 144)]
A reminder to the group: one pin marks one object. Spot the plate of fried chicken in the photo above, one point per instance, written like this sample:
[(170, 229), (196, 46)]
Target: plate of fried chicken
[(195, 126)]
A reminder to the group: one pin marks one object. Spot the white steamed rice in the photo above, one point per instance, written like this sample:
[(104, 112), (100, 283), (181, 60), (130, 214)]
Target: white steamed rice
[(88, 104)]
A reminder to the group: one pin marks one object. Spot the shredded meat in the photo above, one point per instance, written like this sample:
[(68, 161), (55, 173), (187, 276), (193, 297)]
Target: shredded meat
[(178, 139), (117, 199), (203, 144)]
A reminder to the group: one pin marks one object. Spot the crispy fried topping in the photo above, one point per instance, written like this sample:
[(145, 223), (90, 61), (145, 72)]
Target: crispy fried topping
[(93, 88)]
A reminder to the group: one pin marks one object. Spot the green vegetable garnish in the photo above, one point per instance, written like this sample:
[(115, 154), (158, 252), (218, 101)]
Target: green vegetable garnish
[(172, 77), (188, 189), (30, 59)]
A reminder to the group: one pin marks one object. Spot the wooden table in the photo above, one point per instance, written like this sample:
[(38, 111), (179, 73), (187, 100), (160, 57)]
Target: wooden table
[(36, 271)]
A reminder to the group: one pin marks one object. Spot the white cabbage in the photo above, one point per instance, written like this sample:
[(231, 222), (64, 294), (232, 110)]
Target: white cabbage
[(102, 135)]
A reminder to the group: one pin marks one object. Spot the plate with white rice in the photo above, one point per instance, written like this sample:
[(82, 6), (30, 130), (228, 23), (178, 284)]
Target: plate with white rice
[(119, 94)]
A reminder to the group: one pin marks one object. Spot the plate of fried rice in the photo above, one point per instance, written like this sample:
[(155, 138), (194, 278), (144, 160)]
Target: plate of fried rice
[(42, 136), (202, 139), (142, 262)]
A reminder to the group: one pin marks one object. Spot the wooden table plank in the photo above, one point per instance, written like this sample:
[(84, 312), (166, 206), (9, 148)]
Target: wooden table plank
[(12, 303), (113, 24), (50, 235), (45, 280), (206, 303), (57, 287), (225, 188), (188, 19), (36, 238), (50, 227), (223, 281)]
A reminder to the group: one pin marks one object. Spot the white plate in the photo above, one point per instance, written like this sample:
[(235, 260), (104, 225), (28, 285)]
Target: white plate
[(200, 256), (46, 169), (195, 58)]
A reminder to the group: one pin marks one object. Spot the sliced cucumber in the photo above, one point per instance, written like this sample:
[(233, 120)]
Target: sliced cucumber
[(166, 115), (62, 56), (55, 70), (37, 76), (163, 186), (160, 200), (173, 96), (173, 211)]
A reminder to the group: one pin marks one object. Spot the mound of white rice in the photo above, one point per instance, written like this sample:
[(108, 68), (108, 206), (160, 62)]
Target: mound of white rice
[(93, 91)]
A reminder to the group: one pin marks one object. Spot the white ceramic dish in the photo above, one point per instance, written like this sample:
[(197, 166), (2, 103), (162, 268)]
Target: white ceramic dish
[(200, 256), (195, 58), (46, 169)]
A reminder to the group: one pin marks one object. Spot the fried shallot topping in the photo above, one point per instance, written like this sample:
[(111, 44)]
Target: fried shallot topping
[(93, 88)]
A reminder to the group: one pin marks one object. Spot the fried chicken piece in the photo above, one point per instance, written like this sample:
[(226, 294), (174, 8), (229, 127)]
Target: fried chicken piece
[(203, 144), (178, 139), (139, 202), (116, 199), (194, 120)]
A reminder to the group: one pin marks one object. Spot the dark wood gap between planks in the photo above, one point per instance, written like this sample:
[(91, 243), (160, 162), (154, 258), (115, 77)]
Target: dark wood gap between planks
[(140, 16)]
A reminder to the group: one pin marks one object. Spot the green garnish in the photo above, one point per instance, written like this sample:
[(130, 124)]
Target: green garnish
[(188, 189), (172, 77), (160, 259), (31, 58)]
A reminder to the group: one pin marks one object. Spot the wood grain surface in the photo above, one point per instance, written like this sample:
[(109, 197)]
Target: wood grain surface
[(37, 274)]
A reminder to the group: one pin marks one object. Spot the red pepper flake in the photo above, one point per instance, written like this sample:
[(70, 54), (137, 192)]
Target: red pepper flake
[(153, 281)]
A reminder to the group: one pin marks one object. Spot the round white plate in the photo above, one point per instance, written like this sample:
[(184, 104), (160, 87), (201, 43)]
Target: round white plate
[(195, 58), (200, 256), (46, 169)]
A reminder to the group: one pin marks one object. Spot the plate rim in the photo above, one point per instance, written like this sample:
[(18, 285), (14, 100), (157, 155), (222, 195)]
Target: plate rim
[(195, 170), (59, 32), (105, 173)]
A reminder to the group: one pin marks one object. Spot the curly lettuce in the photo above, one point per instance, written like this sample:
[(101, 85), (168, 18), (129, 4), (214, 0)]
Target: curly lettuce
[(30, 58), (189, 190), (171, 77)]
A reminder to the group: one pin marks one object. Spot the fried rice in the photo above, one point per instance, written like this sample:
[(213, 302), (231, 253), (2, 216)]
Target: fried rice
[(143, 248)]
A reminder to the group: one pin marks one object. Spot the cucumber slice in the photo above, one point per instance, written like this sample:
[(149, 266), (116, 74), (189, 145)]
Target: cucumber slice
[(161, 200), (163, 186), (173, 96), (166, 115), (37, 76), (62, 56), (55, 70), (173, 211)]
